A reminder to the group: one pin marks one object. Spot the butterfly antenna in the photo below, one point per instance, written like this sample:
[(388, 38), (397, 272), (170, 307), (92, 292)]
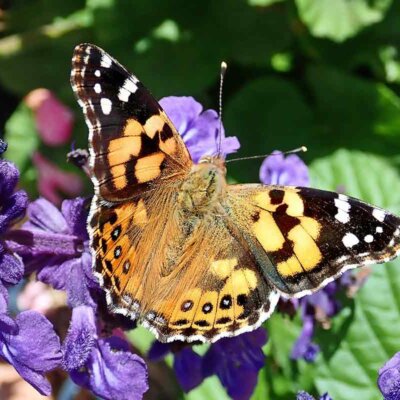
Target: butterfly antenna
[(224, 66), (301, 149)]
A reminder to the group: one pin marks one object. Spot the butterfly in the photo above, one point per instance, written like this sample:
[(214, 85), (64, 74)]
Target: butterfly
[(181, 251)]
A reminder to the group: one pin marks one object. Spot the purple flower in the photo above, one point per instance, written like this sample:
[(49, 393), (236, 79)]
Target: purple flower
[(104, 366), (188, 367), (12, 207), (236, 361), (280, 170), (33, 348), (304, 347), (305, 396), (56, 245), (389, 378), (3, 146), (199, 129)]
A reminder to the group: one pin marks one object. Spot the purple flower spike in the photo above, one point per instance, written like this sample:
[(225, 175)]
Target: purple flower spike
[(199, 129), (305, 396), (237, 361), (56, 245), (304, 347), (3, 146), (389, 378), (278, 170), (12, 207), (34, 350)]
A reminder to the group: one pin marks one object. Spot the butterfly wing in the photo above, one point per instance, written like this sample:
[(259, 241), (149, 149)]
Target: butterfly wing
[(304, 238), (132, 142), (199, 283)]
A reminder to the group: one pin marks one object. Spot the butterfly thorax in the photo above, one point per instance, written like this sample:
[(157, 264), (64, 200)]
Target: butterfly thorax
[(204, 186)]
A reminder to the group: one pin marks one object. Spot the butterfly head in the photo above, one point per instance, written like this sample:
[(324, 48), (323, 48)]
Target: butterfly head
[(205, 184)]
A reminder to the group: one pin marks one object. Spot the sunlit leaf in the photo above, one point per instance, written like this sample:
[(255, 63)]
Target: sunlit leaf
[(340, 20)]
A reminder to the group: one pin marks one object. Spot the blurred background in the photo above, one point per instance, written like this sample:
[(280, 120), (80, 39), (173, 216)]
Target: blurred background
[(325, 74)]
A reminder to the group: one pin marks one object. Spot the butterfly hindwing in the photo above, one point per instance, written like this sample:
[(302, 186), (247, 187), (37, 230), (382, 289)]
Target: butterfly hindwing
[(132, 141), (304, 238), (208, 291)]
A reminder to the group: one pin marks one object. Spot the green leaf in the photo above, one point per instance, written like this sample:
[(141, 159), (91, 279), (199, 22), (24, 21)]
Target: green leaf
[(267, 114), (353, 112), (263, 3), (21, 136), (210, 389), (341, 19), (373, 331), (246, 32)]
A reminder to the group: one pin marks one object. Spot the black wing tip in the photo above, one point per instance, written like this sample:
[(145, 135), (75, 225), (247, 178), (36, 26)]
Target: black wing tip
[(81, 47)]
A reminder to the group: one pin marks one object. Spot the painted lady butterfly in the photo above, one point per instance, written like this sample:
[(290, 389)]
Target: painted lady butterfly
[(181, 251)]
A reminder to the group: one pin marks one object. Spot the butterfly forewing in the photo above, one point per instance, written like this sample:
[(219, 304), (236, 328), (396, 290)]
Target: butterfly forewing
[(304, 238), (132, 141)]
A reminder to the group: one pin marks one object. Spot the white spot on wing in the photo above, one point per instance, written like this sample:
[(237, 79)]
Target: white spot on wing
[(378, 214), (342, 216), (343, 207), (350, 240), (106, 61), (127, 88), (97, 73), (369, 238), (97, 88), (106, 105), (379, 229)]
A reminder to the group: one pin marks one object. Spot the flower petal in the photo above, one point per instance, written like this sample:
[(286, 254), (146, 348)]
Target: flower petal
[(114, 373), (54, 121), (34, 351), (278, 170), (77, 284), (188, 369), (80, 339), (11, 268), (45, 216), (237, 362), (12, 208), (389, 378), (182, 111), (9, 176), (76, 213)]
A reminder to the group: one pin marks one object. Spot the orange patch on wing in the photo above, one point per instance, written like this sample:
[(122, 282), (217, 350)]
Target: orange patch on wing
[(119, 176), (169, 146), (153, 125), (140, 213), (122, 149), (148, 168), (133, 128)]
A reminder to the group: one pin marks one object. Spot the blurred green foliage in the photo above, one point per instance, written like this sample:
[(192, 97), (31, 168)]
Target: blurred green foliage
[(325, 74)]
